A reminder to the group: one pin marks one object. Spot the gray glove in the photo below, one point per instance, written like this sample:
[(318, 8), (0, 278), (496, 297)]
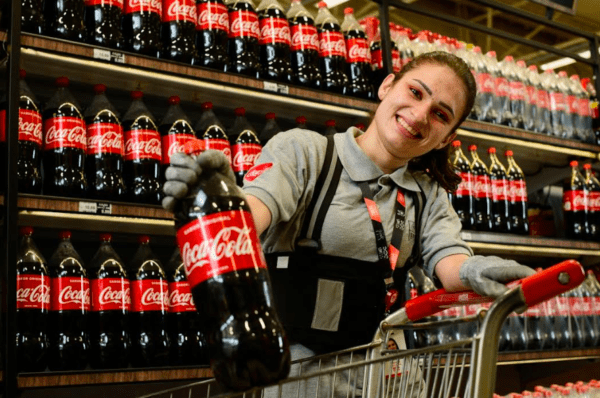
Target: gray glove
[(486, 274), (185, 171)]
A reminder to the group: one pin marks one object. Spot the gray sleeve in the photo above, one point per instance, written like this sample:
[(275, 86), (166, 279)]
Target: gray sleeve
[(440, 229)]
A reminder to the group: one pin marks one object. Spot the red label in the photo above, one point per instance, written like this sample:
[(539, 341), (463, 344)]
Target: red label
[(584, 107), (358, 50), (517, 191), (274, 30), (304, 37), (104, 138), (594, 201), (572, 104), (70, 293), (499, 189), (574, 200), (481, 186), (173, 143), (33, 292), (243, 23), (180, 297), (219, 144), (485, 83), (179, 10), (244, 156), (142, 144), (465, 186), (256, 171), (218, 244), (111, 294), (557, 101), (396, 61), (531, 94), (332, 44), (30, 126), (116, 3), (580, 306), (150, 6), (149, 295), (64, 132), (212, 16), (502, 87), (517, 90), (543, 99), (377, 59)]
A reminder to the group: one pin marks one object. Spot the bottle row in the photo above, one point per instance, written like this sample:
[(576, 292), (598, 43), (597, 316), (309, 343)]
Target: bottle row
[(578, 389), (105, 314), (568, 321)]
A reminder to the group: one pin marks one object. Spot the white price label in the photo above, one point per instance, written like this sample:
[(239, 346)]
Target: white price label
[(107, 55), (466, 235), (95, 208), (276, 87)]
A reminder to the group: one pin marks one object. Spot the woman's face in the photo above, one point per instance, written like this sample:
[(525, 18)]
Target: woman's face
[(418, 113)]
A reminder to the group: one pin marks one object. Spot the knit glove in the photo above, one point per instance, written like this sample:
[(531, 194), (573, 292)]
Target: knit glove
[(486, 275), (184, 171)]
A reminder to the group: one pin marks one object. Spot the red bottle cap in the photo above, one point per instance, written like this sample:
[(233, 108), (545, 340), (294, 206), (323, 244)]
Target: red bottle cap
[(22, 74), (194, 147), (508, 153), (322, 4), (240, 111), (143, 239), (574, 163), (26, 231), (270, 115), (360, 126), (348, 10), (491, 150), (301, 120), (472, 147), (136, 95), (65, 235), (330, 123), (99, 88), (587, 166), (105, 237), (174, 100), (456, 143), (62, 81), (207, 105)]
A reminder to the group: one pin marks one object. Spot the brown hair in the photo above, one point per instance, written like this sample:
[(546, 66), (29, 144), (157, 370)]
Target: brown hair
[(437, 162)]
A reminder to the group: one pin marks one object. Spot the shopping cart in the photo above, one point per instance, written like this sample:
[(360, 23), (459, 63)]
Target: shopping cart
[(464, 368)]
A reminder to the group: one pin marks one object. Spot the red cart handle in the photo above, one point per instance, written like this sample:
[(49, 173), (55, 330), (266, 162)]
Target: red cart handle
[(536, 288)]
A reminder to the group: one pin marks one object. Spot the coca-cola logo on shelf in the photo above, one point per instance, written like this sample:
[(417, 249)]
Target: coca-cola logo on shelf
[(33, 291), (142, 144), (594, 201), (243, 24), (219, 145), (180, 297), (304, 37), (574, 200), (332, 44), (30, 126), (153, 6), (149, 295), (502, 87), (173, 143), (70, 293), (481, 186), (358, 50), (114, 3), (180, 10), (274, 30), (111, 294), (244, 156), (64, 132), (212, 16), (499, 189), (104, 138)]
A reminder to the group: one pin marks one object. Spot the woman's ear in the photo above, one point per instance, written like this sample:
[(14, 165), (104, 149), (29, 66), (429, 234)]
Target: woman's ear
[(447, 140), (387, 83)]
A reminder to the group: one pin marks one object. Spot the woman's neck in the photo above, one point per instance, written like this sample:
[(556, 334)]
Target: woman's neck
[(375, 150)]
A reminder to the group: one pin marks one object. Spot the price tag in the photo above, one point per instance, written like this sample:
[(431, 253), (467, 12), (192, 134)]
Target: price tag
[(276, 87), (95, 208), (107, 55), (466, 235)]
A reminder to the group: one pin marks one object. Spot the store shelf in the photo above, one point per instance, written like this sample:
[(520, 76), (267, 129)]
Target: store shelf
[(70, 379), (547, 356)]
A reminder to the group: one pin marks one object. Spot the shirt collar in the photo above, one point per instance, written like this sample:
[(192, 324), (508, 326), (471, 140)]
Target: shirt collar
[(361, 168)]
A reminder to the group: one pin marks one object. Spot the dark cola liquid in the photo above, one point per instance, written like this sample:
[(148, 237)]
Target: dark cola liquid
[(240, 163), (242, 46), (65, 19), (333, 66), (179, 34), (304, 55), (358, 72), (211, 41), (500, 201), (32, 16), (461, 198), (103, 25), (378, 73), (179, 127), (141, 33), (275, 54)]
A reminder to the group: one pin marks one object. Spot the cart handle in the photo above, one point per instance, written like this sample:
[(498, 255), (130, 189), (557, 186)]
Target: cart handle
[(536, 288)]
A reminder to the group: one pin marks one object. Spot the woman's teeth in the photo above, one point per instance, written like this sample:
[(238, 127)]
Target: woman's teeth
[(406, 126)]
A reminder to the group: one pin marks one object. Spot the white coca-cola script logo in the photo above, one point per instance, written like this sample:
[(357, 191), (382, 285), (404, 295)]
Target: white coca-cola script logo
[(301, 39), (175, 147), (75, 296), (39, 294), (150, 296), (358, 51), (177, 8), (276, 33), (106, 140), (176, 298), (333, 47), (212, 19), (151, 146), (151, 5), (119, 296), (480, 188), (240, 27), (75, 135), (30, 130), (244, 159)]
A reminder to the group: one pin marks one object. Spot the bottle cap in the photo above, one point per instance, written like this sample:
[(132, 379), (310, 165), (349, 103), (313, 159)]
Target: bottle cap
[(574, 163), (22, 74), (62, 81), (143, 239), (585, 81), (174, 100), (322, 4), (99, 88), (26, 231), (270, 115), (472, 147), (301, 120), (587, 166), (240, 111), (348, 10), (508, 153), (105, 237), (64, 234), (456, 143), (136, 95), (330, 123), (491, 150), (360, 126), (509, 58), (194, 147), (207, 105)]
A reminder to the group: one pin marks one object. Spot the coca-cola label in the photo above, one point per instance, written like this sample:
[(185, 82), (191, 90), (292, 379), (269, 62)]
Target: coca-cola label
[(244, 156), (179, 10), (485, 83), (256, 171), (581, 306), (396, 61), (572, 104), (499, 189), (219, 243), (111, 294), (243, 23), (33, 292), (377, 59), (574, 200), (594, 204), (212, 16), (70, 293), (180, 297), (104, 138), (358, 50), (557, 101), (114, 3), (517, 190), (30, 126), (219, 144), (481, 186), (304, 37), (584, 107), (466, 184), (543, 99), (274, 30), (332, 44), (142, 144), (173, 143), (64, 132), (531, 94), (502, 87), (146, 6), (517, 91), (149, 295)]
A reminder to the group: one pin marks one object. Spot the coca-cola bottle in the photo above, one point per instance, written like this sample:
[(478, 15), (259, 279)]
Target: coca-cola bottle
[(33, 303), (592, 221), (178, 31), (30, 140), (537, 326), (210, 129), (486, 86), (582, 116), (212, 30), (187, 342), (416, 338), (149, 306), (65, 142), (558, 313), (332, 51), (142, 153), (111, 300), (378, 71), (532, 109), (103, 22), (482, 195), (244, 33), (585, 315), (594, 109), (462, 197), (32, 16), (141, 26), (569, 106), (246, 342), (502, 88), (65, 19), (517, 79), (304, 46), (274, 42), (594, 288), (70, 305), (245, 145), (500, 193), (104, 156), (574, 204), (330, 127), (175, 130), (517, 193), (543, 122), (270, 129), (358, 61), (557, 102)]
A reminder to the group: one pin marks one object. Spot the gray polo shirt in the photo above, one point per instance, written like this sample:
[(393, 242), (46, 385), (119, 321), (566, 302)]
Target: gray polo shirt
[(291, 162)]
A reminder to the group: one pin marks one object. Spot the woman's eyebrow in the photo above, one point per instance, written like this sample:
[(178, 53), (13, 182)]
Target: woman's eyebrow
[(428, 90)]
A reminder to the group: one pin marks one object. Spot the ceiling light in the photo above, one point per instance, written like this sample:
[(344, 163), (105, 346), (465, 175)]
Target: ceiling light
[(559, 63), (333, 3)]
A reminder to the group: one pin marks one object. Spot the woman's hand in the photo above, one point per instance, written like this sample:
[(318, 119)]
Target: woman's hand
[(486, 275)]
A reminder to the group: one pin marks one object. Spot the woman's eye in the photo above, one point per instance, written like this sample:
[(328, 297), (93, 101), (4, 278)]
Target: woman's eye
[(416, 92), (441, 115)]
